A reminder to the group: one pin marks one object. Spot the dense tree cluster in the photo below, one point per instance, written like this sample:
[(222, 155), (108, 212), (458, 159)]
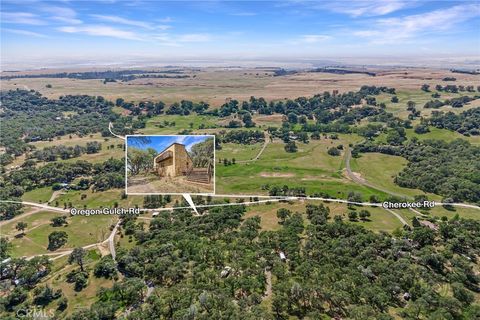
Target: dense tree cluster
[(65, 152), (112, 75), (30, 117), (434, 104), (343, 71), (465, 71), (286, 191), (326, 107), (241, 136), (185, 107), (466, 123), (218, 266), (106, 175), (25, 275), (203, 154), (448, 169), (156, 201)]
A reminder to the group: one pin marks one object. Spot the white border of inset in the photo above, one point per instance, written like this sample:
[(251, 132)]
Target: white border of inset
[(171, 135)]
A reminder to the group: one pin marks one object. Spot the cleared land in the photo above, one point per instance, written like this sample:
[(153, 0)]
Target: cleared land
[(239, 152), (102, 199), (310, 167), (153, 184), (173, 124), (40, 195), (380, 170), (112, 147), (380, 219), (420, 97), (81, 231), (215, 85), (435, 133)]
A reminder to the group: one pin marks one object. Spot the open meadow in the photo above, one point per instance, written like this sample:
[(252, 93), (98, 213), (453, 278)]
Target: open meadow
[(81, 231), (215, 85), (310, 167), (380, 170)]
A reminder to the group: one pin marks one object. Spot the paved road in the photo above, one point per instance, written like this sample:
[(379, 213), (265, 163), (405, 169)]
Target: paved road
[(38, 205), (266, 199)]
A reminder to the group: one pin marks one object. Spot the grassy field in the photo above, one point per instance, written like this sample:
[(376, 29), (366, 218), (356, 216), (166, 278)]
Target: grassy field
[(274, 120), (86, 297), (420, 97), (380, 169), (76, 140), (33, 221), (311, 167), (380, 219), (104, 154), (216, 85), (40, 195), (125, 242), (157, 125), (467, 213), (268, 213), (81, 231), (435, 133), (98, 199), (442, 134), (238, 151)]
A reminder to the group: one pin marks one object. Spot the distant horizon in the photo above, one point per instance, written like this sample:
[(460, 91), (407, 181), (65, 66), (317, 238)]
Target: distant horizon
[(467, 63), (54, 34)]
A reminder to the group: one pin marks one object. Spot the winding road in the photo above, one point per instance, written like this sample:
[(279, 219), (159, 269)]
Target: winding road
[(353, 177), (267, 137)]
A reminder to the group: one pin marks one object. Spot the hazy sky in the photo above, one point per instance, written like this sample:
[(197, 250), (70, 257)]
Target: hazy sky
[(177, 30)]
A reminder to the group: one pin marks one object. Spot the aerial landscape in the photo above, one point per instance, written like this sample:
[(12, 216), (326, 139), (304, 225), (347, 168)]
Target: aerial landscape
[(240, 160)]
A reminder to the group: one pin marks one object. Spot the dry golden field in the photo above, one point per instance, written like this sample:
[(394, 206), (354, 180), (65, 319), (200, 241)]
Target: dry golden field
[(215, 85)]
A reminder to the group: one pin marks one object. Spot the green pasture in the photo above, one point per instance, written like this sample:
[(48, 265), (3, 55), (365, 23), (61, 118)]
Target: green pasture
[(435, 133), (157, 125), (240, 152), (311, 167), (380, 170), (98, 199), (420, 98), (33, 221), (40, 195), (81, 231)]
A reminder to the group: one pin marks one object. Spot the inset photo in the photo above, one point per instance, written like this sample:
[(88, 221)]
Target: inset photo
[(170, 164)]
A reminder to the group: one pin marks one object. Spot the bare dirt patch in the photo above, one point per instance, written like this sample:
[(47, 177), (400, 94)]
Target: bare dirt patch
[(357, 175), (152, 184), (276, 175), (274, 118)]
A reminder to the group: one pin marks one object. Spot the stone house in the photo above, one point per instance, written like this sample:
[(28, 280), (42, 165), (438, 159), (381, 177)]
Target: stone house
[(173, 161)]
